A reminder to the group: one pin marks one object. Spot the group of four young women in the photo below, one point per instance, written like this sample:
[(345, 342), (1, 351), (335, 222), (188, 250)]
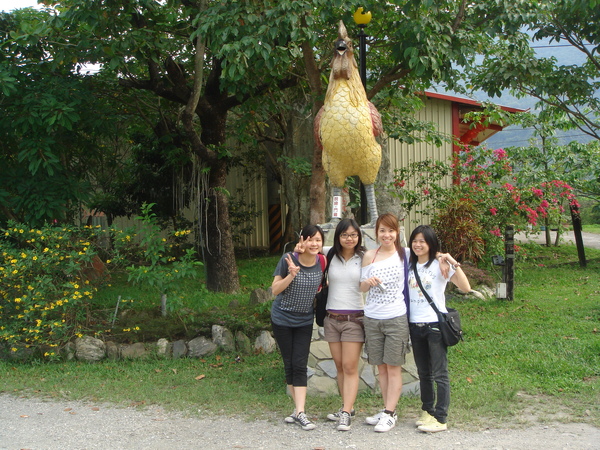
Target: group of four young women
[(384, 321)]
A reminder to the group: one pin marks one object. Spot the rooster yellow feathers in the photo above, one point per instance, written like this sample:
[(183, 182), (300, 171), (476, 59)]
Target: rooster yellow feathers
[(347, 124)]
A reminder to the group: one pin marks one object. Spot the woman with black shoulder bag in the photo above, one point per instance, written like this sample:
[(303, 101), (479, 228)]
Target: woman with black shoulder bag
[(430, 351)]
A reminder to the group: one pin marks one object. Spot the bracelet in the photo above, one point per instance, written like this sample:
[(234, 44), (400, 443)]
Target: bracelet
[(455, 266)]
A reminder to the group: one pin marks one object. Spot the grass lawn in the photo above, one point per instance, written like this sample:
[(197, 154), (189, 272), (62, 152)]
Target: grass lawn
[(594, 228), (534, 358)]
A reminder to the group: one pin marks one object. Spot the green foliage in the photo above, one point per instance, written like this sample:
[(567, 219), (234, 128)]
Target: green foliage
[(158, 269), (419, 182), (45, 286), (563, 88), (459, 230), (241, 214)]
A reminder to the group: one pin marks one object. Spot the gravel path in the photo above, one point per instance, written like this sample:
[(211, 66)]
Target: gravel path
[(36, 424)]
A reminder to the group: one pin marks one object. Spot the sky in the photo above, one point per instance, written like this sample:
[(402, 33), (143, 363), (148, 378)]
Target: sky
[(9, 5)]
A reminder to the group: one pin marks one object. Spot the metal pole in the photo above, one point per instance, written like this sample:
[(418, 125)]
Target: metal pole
[(362, 66)]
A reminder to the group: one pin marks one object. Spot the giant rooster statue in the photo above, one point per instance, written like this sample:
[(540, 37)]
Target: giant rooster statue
[(347, 124)]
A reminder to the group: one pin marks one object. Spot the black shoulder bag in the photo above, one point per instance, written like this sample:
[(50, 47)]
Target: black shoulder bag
[(449, 322), (321, 297)]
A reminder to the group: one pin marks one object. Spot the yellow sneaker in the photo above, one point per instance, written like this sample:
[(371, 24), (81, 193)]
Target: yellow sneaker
[(424, 419), (433, 427)]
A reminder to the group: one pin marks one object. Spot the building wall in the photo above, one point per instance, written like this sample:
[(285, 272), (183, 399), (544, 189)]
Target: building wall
[(438, 112)]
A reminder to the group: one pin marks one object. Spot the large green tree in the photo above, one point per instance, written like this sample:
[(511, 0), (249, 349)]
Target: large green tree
[(562, 87)]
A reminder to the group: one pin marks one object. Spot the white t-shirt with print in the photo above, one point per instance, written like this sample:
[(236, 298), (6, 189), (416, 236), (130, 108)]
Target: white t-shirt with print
[(388, 304), (435, 285)]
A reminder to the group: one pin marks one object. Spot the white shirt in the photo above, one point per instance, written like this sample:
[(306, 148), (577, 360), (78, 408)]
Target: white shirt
[(388, 304), (344, 284), (435, 285)]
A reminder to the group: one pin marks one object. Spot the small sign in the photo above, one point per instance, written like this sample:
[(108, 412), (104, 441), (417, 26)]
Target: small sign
[(336, 210)]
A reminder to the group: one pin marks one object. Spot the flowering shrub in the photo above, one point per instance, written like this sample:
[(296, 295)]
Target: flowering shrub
[(43, 285), (48, 277), (492, 186)]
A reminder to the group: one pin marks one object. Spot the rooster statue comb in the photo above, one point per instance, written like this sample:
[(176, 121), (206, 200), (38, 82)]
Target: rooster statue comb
[(347, 125)]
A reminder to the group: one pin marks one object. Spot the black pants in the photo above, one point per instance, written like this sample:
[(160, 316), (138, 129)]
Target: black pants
[(431, 359), (294, 345)]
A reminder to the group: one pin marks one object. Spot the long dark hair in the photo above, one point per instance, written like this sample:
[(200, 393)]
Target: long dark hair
[(391, 221), (342, 226), (430, 238)]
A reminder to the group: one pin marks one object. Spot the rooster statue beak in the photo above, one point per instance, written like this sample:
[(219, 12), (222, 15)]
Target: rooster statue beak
[(341, 47)]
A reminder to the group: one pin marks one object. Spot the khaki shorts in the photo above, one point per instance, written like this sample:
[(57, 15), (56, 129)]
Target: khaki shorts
[(343, 331), (386, 340)]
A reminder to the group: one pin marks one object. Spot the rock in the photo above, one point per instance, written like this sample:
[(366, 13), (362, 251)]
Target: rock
[(261, 296), (89, 349), (112, 351), (322, 386), (242, 343), (265, 343), (200, 347), (222, 337), (163, 348), (179, 349), (134, 351)]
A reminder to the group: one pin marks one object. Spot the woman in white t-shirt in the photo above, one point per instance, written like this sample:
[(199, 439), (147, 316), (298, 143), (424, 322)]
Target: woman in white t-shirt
[(386, 324), (343, 323), (429, 349)]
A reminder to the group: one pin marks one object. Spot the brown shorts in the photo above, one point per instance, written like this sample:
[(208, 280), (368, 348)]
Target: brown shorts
[(343, 331), (386, 340)]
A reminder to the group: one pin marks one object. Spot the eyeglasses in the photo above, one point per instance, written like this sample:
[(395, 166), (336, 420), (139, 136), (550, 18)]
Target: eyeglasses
[(346, 236)]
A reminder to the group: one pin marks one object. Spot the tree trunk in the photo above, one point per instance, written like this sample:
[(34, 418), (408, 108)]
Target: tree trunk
[(221, 267)]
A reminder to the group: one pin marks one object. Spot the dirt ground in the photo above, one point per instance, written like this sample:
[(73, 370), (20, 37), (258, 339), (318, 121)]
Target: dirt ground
[(37, 424)]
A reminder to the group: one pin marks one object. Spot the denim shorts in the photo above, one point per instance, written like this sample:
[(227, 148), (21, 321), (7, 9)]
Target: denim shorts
[(386, 340)]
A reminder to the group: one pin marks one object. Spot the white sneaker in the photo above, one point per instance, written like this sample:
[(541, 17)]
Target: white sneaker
[(386, 423), (374, 420), (291, 418), (425, 418)]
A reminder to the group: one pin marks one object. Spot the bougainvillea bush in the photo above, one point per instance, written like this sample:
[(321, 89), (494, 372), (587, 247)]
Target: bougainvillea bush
[(471, 215)]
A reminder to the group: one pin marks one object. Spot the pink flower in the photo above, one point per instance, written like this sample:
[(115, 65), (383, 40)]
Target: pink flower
[(494, 211), (544, 204), (509, 187), (537, 192), (496, 232), (425, 191), (500, 153)]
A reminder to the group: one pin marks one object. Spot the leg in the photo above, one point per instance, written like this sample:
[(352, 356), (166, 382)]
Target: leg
[(393, 388), (420, 342), (336, 353), (439, 372), (299, 361), (350, 356)]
